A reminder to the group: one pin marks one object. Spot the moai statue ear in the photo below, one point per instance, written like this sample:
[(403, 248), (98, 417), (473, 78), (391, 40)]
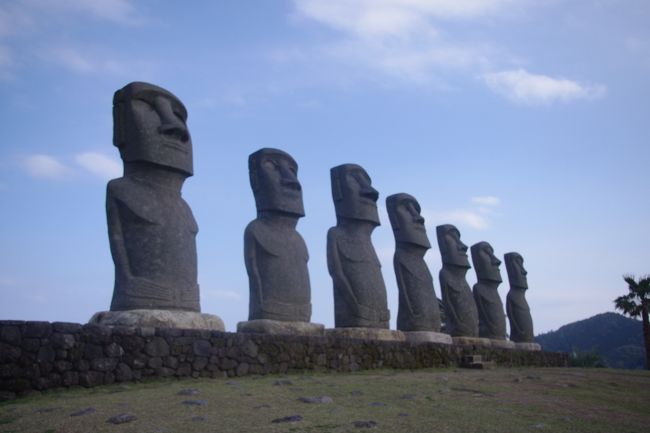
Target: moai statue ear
[(335, 176), (252, 171), (118, 120)]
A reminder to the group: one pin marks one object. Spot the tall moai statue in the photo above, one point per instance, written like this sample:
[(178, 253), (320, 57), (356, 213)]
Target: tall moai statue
[(151, 228), (521, 322), (418, 305), (491, 318), (275, 253), (359, 290), (461, 314)]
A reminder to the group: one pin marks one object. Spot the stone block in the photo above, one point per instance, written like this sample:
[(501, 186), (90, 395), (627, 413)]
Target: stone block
[(37, 329), (157, 347), (11, 335), (103, 364), (417, 337), (66, 327), (276, 327), (202, 348), (366, 334), (159, 319), (63, 341)]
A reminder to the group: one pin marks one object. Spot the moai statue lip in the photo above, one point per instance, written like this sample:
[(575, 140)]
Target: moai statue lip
[(354, 197), (516, 271), (406, 221), (485, 262), (274, 180), (452, 250), (150, 126)]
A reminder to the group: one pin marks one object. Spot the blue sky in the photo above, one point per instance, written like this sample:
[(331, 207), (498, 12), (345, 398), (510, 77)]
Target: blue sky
[(525, 123)]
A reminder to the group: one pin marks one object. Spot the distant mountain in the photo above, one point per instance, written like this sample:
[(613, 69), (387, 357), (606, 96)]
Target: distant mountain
[(618, 339)]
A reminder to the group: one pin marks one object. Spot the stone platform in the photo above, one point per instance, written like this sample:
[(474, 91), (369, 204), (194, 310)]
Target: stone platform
[(378, 334), (159, 319), (276, 327), (534, 347), (472, 341), (503, 344), (428, 337)]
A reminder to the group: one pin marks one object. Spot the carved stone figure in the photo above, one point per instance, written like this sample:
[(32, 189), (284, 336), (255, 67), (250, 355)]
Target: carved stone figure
[(275, 253), (491, 318), (418, 305), (460, 310), (359, 290), (151, 228), (521, 322)]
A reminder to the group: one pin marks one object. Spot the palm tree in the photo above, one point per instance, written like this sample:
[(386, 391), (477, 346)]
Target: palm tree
[(636, 304)]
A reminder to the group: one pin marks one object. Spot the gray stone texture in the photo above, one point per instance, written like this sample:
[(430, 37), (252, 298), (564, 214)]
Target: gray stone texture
[(521, 322), (418, 305), (274, 252), (158, 319), (151, 228), (461, 314), (428, 337), (359, 290), (491, 318), (278, 327)]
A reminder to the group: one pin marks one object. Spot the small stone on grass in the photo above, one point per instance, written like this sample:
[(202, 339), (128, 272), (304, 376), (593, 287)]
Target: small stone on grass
[(121, 418), (188, 391), (324, 399), (195, 402), (290, 418), (365, 424), (85, 411), (282, 382)]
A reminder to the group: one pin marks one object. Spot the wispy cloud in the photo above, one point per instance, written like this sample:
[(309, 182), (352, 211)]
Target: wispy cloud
[(459, 217), (486, 200), (524, 87), (103, 166), (45, 166)]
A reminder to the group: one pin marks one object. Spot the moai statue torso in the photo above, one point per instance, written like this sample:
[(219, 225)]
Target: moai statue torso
[(418, 305), (359, 290), (151, 228), (275, 253), (521, 322), (491, 318), (461, 316)]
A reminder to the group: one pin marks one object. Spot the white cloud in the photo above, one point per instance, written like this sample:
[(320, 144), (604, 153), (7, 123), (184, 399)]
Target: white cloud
[(99, 164), (460, 218), (486, 200), (221, 295), (45, 166), (523, 87)]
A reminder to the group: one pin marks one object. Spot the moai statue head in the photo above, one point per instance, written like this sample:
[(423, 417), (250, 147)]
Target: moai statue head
[(516, 271), (485, 262), (149, 126), (452, 250), (406, 221), (273, 175), (353, 195)]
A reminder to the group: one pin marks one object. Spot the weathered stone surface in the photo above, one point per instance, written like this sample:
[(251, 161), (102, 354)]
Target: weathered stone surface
[(323, 399), (461, 314), (11, 335), (113, 350), (533, 347), (9, 353), (91, 378), (150, 318), (66, 327), (418, 305), (103, 364), (472, 341), (85, 411), (503, 344), (276, 327), (491, 318), (157, 347), (202, 348), (63, 341), (275, 254), (359, 290), (46, 354), (290, 418), (121, 418), (427, 337), (521, 322), (366, 334), (37, 329)]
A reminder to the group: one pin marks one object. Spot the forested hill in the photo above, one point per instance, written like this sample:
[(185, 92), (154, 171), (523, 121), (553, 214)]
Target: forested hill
[(618, 339)]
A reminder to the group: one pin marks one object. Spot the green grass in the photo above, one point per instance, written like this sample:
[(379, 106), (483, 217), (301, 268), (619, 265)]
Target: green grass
[(501, 400)]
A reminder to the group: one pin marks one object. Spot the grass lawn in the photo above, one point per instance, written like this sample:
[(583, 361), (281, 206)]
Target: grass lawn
[(499, 400)]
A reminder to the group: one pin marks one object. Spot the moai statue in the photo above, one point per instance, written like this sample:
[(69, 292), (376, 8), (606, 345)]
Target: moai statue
[(275, 253), (460, 309), (521, 322), (151, 228), (418, 305), (359, 290), (491, 318)]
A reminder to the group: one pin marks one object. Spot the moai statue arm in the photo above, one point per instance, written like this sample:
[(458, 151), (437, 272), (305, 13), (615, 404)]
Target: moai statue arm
[(450, 312), (401, 284), (116, 237), (250, 258)]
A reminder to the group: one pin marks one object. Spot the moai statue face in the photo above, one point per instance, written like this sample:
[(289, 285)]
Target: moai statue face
[(452, 250), (516, 271), (353, 195), (273, 175), (149, 126), (485, 262), (406, 221)]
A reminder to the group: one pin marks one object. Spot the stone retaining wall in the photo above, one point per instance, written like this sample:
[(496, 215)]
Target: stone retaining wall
[(43, 355)]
